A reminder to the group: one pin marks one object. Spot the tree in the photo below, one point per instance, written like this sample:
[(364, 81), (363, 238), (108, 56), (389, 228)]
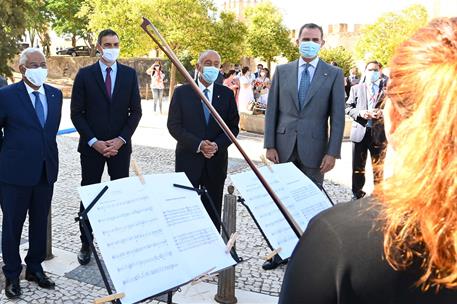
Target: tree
[(380, 39), (229, 38), (36, 20), (13, 27), (65, 19), (339, 55), (267, 37)]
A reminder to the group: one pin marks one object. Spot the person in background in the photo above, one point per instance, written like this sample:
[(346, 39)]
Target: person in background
[(257, 72), (246, 95), (220, 77), (157, 83), (233, 83), (351, 80), (262, 86), (399, 246), (364, 105)]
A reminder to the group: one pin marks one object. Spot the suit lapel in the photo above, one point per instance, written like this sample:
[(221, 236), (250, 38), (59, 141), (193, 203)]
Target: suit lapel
[(291, 79), (119, 79), (216, 104), (363, 95), (97, 73), (52, 104), (27, 102), (320, 75)]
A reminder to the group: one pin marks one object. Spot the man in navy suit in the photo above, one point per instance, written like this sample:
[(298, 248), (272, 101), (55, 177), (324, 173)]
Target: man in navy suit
[(29, 116), (201, 149), (106, 110)]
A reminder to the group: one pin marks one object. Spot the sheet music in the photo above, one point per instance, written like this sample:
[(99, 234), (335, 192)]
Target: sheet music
[(302, 198), (155, 236)]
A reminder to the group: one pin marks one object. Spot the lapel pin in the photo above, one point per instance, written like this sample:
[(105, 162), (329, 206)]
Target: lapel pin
[(218, 96), (325, 74)]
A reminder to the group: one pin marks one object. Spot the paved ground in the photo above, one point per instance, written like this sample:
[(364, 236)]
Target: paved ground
[(153, 150)]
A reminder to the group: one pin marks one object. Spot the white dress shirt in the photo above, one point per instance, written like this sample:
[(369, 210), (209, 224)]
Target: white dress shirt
[(43, 98), (311, 69)]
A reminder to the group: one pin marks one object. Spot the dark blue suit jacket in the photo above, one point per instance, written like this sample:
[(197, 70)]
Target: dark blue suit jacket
[(27, 146), (94, 114), (186, 123)]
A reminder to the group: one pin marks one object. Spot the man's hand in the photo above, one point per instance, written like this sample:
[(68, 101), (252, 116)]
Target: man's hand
[(366, 114), (113, 147), (100, 146), (272, 155), (376, 113), (328, 162), (208, 148)]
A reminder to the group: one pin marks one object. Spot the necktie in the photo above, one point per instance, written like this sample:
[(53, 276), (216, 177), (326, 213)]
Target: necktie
[(39, 108), (304, 86), (108, 82), (205, 108), (371, 104)]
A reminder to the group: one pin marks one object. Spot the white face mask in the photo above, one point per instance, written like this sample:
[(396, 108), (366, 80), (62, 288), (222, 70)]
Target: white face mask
[(111, 55), (36, 76)]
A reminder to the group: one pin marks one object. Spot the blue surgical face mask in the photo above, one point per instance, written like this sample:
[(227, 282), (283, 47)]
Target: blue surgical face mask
[(309, 49), (210, 74), (372, 76)]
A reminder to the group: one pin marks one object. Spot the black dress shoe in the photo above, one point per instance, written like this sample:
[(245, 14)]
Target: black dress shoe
[(84, 254), (12, 289), (39, 277), (358, 195), (273, 263)]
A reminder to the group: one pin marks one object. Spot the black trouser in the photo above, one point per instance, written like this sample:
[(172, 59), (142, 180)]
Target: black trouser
[(359, 159), (215, 189), (92, 167), (16, 201)]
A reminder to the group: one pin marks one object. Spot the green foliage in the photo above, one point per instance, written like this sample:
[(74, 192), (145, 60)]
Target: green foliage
[(380, 39), (267, 36), (13, 26), (339, 55), (65, 18), (37, 18), (228, 35)]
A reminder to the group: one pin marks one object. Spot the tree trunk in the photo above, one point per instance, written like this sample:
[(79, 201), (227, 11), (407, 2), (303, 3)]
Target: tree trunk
[(73, 40), (269, 65), (172, 81)]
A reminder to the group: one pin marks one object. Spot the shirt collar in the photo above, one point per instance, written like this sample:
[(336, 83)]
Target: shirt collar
[(202, 87), (104, 66), (30, 90), (313, 63)]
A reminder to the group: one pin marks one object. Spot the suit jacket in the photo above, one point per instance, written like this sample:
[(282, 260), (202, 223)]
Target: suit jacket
[(286, 126), (186, 123), (358, 100), (28, 147), (94, 114)]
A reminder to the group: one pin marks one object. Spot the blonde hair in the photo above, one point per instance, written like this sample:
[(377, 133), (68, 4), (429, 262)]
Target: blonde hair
[(420, 199)]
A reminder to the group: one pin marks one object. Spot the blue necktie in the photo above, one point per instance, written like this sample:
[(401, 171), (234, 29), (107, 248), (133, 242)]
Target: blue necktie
[(371, 104), (39, 108), (205, 108), (304, 86)]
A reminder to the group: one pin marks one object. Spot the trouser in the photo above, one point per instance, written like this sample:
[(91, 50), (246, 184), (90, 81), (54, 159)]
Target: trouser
[(92, 167), (359, 159), (157, 95), (16, 201), (314, 174)]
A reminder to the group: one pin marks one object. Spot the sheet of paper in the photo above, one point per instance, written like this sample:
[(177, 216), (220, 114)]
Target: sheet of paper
[(298, 193), (153, 237)]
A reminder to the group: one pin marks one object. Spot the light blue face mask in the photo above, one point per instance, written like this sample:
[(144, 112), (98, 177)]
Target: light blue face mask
[(372, 76), (309, 49), (210, 74)]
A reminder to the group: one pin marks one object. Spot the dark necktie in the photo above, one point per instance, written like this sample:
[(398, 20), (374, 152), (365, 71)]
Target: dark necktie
[(39, 108), (304, 86), (108, 82), (205, 108)]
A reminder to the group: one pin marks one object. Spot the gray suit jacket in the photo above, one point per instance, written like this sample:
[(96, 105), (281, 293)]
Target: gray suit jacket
[(358, 100), (286, 126)]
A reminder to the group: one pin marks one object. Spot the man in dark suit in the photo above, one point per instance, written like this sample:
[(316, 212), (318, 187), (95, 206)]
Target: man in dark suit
[(201, 149), (367, 132), (351, 80), (106, 110), (30, 114), (257, 72), (305, 95)]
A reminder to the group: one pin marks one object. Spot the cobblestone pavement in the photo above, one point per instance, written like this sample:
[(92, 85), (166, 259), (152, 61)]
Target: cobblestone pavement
[(83, 284)]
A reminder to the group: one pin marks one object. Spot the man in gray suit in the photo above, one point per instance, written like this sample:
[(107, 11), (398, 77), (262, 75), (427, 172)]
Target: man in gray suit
[(304, 95)]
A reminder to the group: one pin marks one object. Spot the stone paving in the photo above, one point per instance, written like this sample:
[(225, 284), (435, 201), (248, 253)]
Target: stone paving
[(83, 284)]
